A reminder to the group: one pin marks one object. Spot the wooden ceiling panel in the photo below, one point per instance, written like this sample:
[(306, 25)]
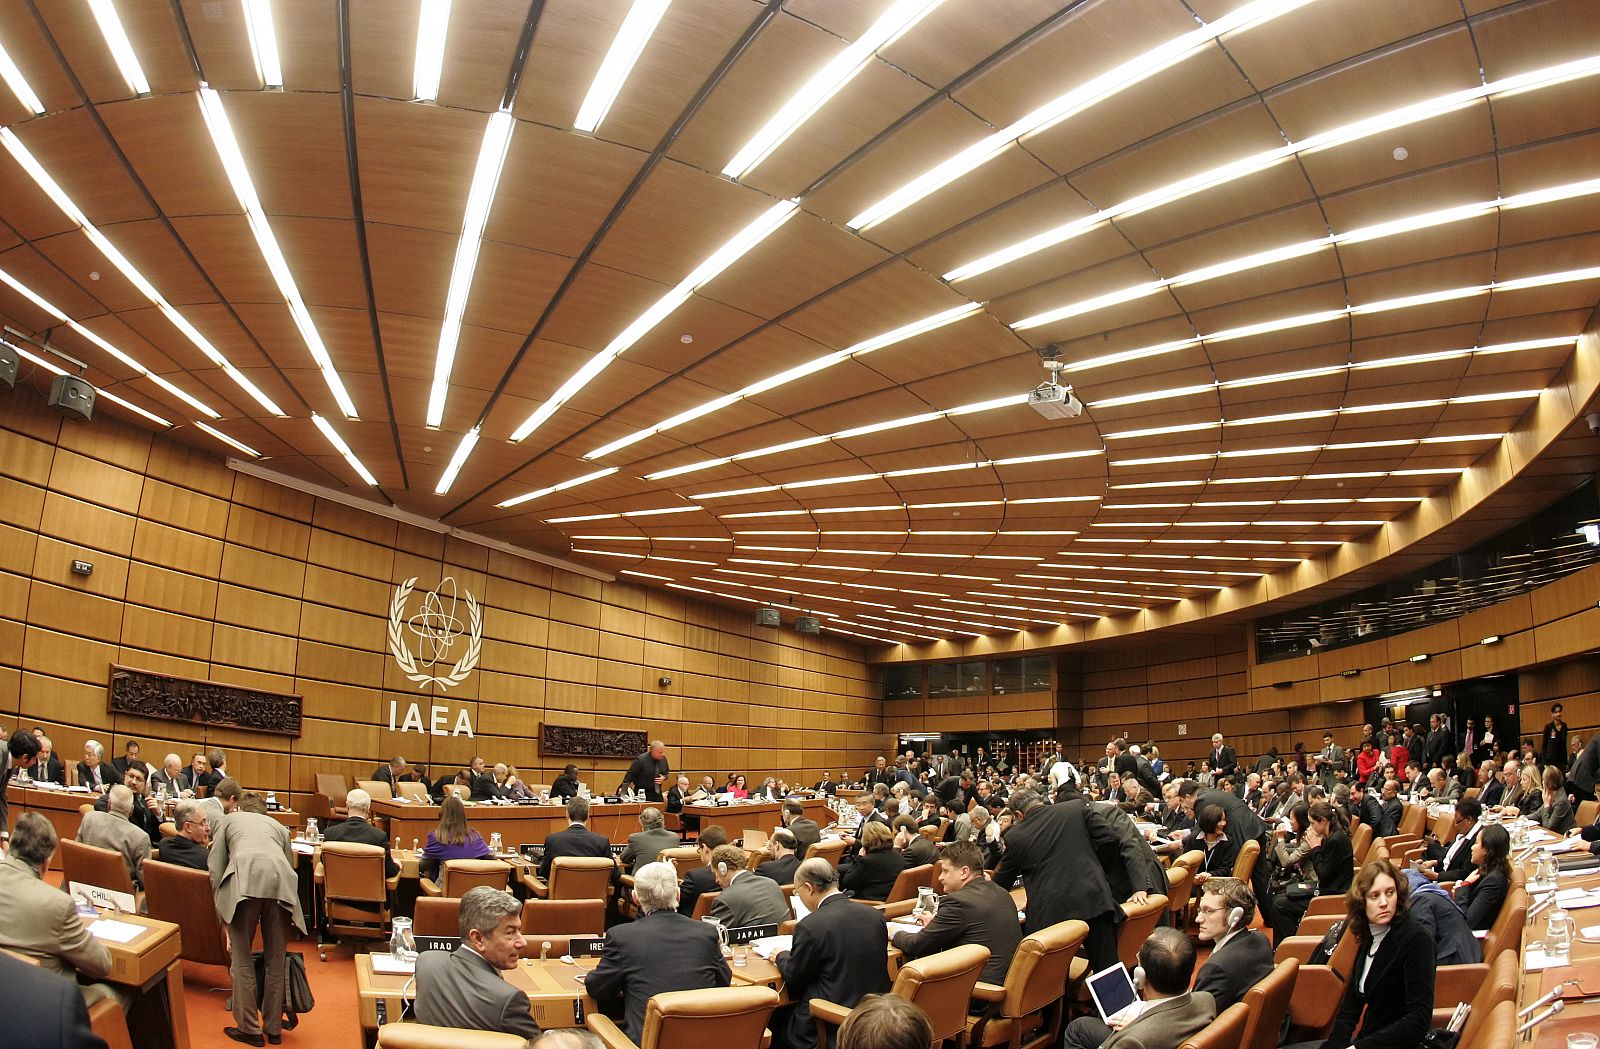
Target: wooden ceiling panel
[(308, 43), (556, 189), (30, 51), (416, 162), (1536, 36), (152, 32), (410, 271), (951, 39), (77, 156), (511, 287), (383, 46), (1446, 139), (478, 53), (284, 135), (798, 262), (221, 43)]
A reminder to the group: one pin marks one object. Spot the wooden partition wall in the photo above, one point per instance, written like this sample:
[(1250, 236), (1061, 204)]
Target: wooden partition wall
[(206, 573)]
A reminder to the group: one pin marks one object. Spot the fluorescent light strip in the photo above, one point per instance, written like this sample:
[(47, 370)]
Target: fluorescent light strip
[(635, 32), (263, 41), (827, 82), (229, 441), (1260, 260), (1302, 449), (55, 369), (563, 486), (19, 84), (1246, 166), (53, 190), (1326, 413), (126, 360), (343, 449), (1072, 103), (116, 38), (433, 28), (480, 199), (656, 512), (918, 471), (244, 189), (811, 367), (469, 441), (736, 248), (842, 435)]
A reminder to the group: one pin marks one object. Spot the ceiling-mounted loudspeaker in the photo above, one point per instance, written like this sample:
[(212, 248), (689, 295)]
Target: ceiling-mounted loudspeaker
[(808, 625), (767, 617), (9, 363), (71, 395)]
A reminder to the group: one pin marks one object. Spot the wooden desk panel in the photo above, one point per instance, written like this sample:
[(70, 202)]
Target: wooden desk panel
[(517, 824), (60, 807), (149, 964), (764, 816), (1584, 964)]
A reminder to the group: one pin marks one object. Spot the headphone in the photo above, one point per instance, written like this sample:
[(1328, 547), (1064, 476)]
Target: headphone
[(1235, 917), (722, 869), (1138, 978)]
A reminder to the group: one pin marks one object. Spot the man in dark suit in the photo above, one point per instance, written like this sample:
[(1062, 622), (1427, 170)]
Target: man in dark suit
[(398, 770), (187, 848), (806, 832), (661, 950), (645, 846), (838, 955), (565, 785), (1240, 956), (785, 858), (880, 773), (648, 773), (826, 785), (1390, 811), (43, 1010), (1454, 861), (972, 910), (48, 768), (701, 879), (1223, 760), (146, 813), (679, 792), (481, 781), (1055, 850), (130, 759), (576, 840), (357, 828), (464, 988), (1586, 769), (93, 771), (1149, 876), (1441, 741)]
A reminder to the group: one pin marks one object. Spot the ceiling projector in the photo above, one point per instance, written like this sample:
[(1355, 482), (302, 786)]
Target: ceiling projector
[(1054, 401)]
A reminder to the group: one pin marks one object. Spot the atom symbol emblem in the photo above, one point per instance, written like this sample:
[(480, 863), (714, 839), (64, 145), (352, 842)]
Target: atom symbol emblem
[(436, 628)]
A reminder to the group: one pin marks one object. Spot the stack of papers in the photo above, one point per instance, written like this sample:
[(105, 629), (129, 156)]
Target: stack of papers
[(115, 931), (388, 964), (770, 947)]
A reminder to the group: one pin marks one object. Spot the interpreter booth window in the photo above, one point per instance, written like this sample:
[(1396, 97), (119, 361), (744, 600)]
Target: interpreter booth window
[(902, 682), (1021, 674), (948, 680)]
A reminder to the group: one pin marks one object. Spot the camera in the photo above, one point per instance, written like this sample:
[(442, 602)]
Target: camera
[(1594, 422)]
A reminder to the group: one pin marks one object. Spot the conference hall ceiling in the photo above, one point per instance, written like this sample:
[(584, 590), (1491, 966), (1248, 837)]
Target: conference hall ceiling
[(747, 299)]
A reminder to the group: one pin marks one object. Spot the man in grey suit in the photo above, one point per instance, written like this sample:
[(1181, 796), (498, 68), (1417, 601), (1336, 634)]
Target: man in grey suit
[(111, 830), (646, 846), (806, 832), (745, 898), (464, 988), (37, 920), (1169, 1012), (253, 879)]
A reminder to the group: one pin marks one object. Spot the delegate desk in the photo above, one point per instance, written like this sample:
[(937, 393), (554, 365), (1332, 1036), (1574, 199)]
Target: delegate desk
[(1577, 1015), (149, 965), (532, 824)]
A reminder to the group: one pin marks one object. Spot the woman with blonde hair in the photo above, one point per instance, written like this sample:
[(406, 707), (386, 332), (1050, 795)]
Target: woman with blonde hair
[(452, 839)]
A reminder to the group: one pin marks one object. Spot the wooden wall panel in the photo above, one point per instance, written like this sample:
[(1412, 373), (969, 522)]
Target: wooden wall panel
[(206, 573)]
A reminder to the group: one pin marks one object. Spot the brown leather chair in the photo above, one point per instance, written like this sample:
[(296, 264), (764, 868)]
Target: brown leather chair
[(460, 790), (1361, 843), (182, 895), (564, 917), (437, 916), (1318, 988), (1268, 1002), (684, 859), (726, 1017), (1225, 1032), (1244, 864), (354, 891), (941, 985), (1506, 932), (422, 1036), (92, 865), (1415, 820), (457, 876), (906, 885), (1499, 985), (574, 878), (1499, 1031), (1141, 921), (107, 1020), (1028, 1011), (1587, 812), (332, 785), (381, 790), (702, 905), (415, 791), (832, 851), (1178, 879)]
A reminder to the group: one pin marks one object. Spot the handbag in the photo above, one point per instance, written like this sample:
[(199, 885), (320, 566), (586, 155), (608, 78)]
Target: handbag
[(1439, 1038), (297, 997), (1330, 942)]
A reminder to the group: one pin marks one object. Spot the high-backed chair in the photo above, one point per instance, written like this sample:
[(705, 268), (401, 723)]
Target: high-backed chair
[(437, 916), (1506, 932), (1225, 1032), (564, 917), (832, 851), (183, 896), (1178, 879), (332, 785), (355, 891), (1027, 1012), (457, 876), (1244, 864), (1268, 1002), (1499, 985), (1140, 922), (703, 904), (107, 1020), (574, 878), (415, 791), (906, 884), (684, 858), (939, 984), (1318, 988), (1415, 820), (1587, 812), (1361, 843), (380, 789), (460, 790), (1497, 1032), (422, 1036), (726, 1017), (92, 865)]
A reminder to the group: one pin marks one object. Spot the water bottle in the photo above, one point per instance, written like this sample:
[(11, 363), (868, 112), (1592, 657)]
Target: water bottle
[(402, 944), (1558, 937), (312, 834), (496, 843)]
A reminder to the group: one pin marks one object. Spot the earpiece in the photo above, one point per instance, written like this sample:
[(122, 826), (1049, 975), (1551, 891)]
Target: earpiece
[(722, 869), (1235, 916), (1138, 978)]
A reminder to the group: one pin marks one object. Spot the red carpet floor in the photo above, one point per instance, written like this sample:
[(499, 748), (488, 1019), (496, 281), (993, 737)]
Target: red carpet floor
[(331, 1025)]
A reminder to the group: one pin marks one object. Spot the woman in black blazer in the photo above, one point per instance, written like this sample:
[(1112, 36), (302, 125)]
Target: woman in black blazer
[(1326, 848), (1555, 810), (1390, 991), (873, 874), (1482, 892)]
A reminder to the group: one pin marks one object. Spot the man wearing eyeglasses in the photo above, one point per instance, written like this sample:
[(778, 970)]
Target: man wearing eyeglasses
[(188, 847)]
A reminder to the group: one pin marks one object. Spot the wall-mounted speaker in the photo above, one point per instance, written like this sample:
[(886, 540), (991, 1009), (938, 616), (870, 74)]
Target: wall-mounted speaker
[(767, 617), (9, 363), (808, 625), (71, 395)]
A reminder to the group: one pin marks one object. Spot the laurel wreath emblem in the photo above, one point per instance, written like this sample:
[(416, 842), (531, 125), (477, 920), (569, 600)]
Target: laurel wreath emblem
[(408, 662)]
